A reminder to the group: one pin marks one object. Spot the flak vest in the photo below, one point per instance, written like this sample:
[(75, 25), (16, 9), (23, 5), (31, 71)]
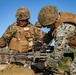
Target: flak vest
[(39, 34), (66, 17), (23, 41)]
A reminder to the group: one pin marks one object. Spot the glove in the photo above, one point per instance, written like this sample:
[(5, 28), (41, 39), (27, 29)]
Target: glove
[(37, 46), (35, 68), (38, 67)]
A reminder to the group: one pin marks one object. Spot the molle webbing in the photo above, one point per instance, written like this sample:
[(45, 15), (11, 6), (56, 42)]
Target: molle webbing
[(66, 17), (20, 42)]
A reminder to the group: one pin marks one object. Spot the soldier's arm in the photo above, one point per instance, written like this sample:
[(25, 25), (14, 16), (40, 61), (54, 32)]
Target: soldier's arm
[(47, 38), (5, 37), (61, 43), (8, 34)]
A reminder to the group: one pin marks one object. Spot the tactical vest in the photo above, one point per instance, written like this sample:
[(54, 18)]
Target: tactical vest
[(38, 35), (23, 40), (66, 17)]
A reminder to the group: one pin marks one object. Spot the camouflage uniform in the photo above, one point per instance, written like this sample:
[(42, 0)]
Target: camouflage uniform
[(2, 43), (73, 65), (47, 17), (62, 38), (18, 38), (38, 32), (12, 31), (17, 33)]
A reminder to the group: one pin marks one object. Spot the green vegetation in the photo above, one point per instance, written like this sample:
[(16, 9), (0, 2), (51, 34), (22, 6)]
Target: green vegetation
[(64, 60)]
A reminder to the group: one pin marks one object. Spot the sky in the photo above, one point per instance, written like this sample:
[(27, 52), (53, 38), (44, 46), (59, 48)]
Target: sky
[(8, 10)]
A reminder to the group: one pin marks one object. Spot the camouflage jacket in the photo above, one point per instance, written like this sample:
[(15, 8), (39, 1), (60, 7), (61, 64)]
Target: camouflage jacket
[(38, 34), (13, 31), (62, 35)]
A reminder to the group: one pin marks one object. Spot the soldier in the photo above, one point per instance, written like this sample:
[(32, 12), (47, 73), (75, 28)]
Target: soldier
[(62, 28), (38, 32), (19, 35), (19, 38)]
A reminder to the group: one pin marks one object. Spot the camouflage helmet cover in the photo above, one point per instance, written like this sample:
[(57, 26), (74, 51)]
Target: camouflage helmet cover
[(22, 13), (37, 24), (47, 15)]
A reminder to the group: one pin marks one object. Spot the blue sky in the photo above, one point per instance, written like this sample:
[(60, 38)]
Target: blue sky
[(8, 10)]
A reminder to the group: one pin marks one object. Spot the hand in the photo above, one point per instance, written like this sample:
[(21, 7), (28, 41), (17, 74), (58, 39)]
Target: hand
[(68, 63), (45, 64), (2, 43), (37, 46), (38, 67)]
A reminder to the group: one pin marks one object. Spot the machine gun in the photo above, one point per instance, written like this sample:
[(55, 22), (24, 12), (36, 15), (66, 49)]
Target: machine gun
[(33, 56)]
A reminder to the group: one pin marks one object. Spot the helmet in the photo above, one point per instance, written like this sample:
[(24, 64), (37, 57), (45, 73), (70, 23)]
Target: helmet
[(37, 24), (22, 13), (47, 15)]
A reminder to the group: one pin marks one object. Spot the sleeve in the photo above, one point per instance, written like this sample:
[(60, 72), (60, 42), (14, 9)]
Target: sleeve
[(61, 42), (8, 34), (47, 38)]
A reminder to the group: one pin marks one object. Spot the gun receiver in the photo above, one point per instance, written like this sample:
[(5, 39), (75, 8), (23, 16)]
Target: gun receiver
[(32, 56)]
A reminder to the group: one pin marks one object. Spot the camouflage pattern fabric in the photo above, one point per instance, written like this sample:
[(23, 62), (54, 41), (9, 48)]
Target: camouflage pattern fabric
[(22, 13), (37, 24), (3, 58), (73, 68), (62, 35), (16, 70), (12, 32), (38, 34), (73, 65), (2, 43), (47, 15), (67, 58)]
